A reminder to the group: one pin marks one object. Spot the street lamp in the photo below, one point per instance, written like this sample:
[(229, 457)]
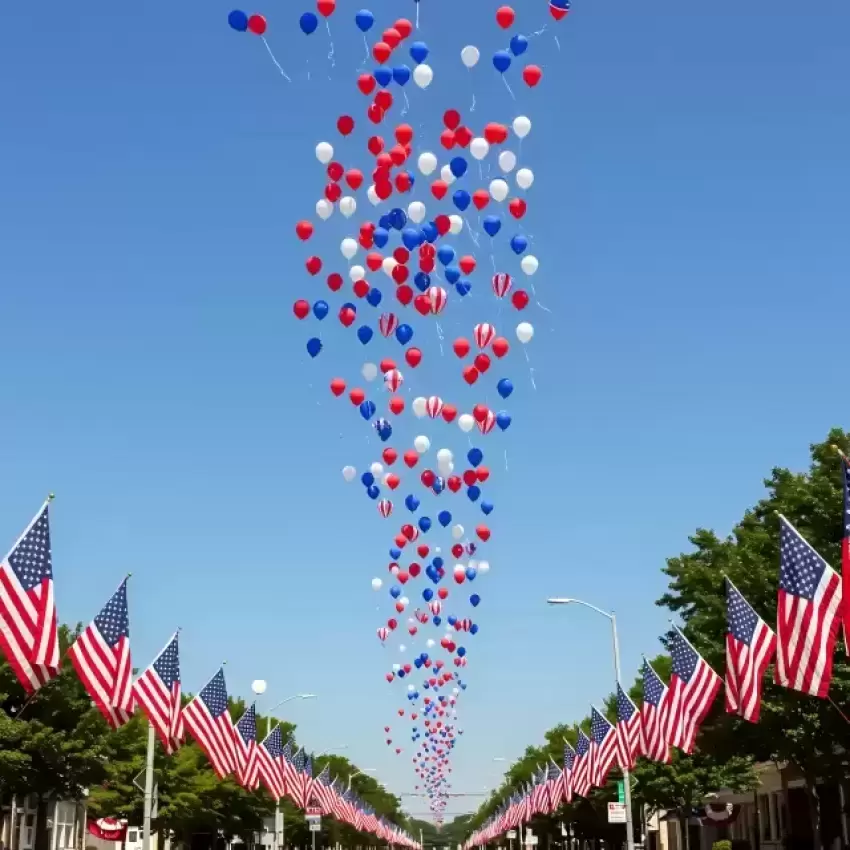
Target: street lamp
[(568, 600)]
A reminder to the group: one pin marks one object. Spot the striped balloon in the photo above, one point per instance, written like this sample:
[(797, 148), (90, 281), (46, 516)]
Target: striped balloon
[(385, 508), (388, 323), (489, 422), (484, 334), (383, 633), (393, 379), (436, 607), (438, 298), (434, 406), (502, 284)]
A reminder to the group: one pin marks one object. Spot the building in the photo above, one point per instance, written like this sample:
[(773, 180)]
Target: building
[(65, 824)]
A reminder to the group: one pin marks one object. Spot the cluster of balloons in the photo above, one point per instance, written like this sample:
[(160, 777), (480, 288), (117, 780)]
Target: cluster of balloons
[(241, 22)]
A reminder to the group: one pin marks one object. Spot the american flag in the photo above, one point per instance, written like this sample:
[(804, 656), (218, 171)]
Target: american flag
[(301, 789), (270, 763), (338, 810), (101, 657), (603, 747), (808, 616), (693, 687), (27, 614), (845, 550), (583, 767), (287, 767), (157, 691), (323, 791), (208, 719), (248, 769), (653, 716), (567, 776), (539, 793), (555, 787), (750, 644), (628, 730)]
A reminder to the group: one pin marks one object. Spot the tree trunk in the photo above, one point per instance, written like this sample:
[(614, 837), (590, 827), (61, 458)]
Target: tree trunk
[(814, 811), (41, 836), (684, 831)]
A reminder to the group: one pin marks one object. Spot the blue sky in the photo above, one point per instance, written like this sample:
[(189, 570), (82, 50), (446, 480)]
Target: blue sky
[(689, 214)]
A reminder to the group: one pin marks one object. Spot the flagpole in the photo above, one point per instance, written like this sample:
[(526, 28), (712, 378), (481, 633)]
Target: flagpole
[(627, 780), (149, 773)]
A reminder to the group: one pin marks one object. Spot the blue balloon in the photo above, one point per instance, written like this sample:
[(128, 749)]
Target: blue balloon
[(380, 237), (458, 166), (238, 20), (425, 524), (395, 592), (383, 76), (473, 629), (475, 456), (501, 61), (364, 20), (437, 621), (492, 224), (367, 479), (308, 23), (384, 221), (430, 232), (422, 280), (411, 238), (314, 346), (505, 387), (438, 561), (461, 199), (427, 594), (471, 572), (349, 306), (395, 554), (373, 492), (412, 503), (445, 254), (519, 44), (487, 508), (374, 296), (404, 333), (503, 420), (463, 287), (461, 652), (398, 218), (418, 663), (365, 333), (320, 309), (418, 51), (445, 518), (451, 619), (519, 243), (401, 674), (401, 74), (367, 409), (452, 274), (474, 493)]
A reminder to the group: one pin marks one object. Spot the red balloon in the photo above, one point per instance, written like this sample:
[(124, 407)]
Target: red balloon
[(461, 347), (463, 136), (332, 192), (449, 412), (404, 134), (301, 309), (411, 458), (335, 171), (383, 189), (451, 118), (357, 396), (532, 74), (517, 207), (337, 387), (505, 16), (387, 365), (392, 625), (326, 7), (483, 532), (413, 356), (335, 282), (404, 295), (366, 83), (384, 99), (428, 478), (396, 406), (361, 288), (304, 230), (470, 477), (482, 362), (500, 348), (479, 412), (400, 273), (354, 178), (470, 375), (347, 316), (442, 593), (375, 145), (257, 24), (345, 124), (401, 255), (447, 139), (438, 190), (381, 51), (422, 303), (480, 197), (403, 27), (375, 113), (314, 265), (454, 484), (467, 264), (403, 182), (520, 299), (482, 473)]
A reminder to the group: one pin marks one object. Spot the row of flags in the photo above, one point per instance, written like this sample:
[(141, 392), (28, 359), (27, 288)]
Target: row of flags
[(810, 611), (101, 658)]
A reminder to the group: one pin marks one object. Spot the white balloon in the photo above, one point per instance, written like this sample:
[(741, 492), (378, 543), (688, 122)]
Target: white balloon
[(324, 152), (348, 473), (524, 332), (356, 273), (348, 247), (427, 163), (258, 686), (376, 469), (369, 371), (372, 195), (473, 563), (404, 601), (396, 668), (446, 469), (445, 456), (419, 406), (479, 148), (499, 189), (416, 212), (446, 175), (466, 422), (455, 690), (457, 533), (469, 56), (522, 126), (524, 178), (507, 161), (388, 265), (411, 688), (402, 647), (377, 584), (324, 209), (422, 444), (422, 76), (455, 224), (529, 264), (483, 566), (347, 206), (430, 642)]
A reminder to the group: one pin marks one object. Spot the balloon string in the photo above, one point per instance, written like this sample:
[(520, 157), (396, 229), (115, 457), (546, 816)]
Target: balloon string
[(530, 367), (506, 460), (277, 64), (417, 14), (510, 92), (558, 44), (365, 61), (472, 108), (330, 38), (406, 108)]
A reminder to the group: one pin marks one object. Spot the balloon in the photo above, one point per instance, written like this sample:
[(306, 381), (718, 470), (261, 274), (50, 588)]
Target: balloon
[(369, 371), (324, 152), (505, 387), (419, 406), (418, 52), (446, 175), (457, 531), (416, 213), (308, 23), (238, 20), (356, 273), (427, 163), (501, 61), (522, 126), (470, 56), (347, 206), (475, 456), (364, 334), (348, 473), (507, 161), (458, 165), (557, 8), (505, 16), (422, 76), (422, 444), (377, 584), (314, 346), (401, 75), (519, 243), (444, 518), (524, 178), (531, 74), (320, 309), (524, 332), (364, 20), (324, 209), (529, 264), (455, 224), (404, 333), (492, 224), (519, 44), (503, 420), (479, 148), (348, 247), (498, 190), (466, 422)]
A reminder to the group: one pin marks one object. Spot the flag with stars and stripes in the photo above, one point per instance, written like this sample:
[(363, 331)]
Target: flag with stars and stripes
[(157, 691), (554, 787), (101, 657), (539, 793), (808, 615), (28, 635), (323, 792), (248, 769), (693, 687), (567, 775), (845, 549), (270, 763), (301, 789), (583, 767), (208, 719), (628, 730), (603, 747), (750, 644), (653, 716)]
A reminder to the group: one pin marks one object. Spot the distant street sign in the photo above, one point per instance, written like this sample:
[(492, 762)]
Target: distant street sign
[(616, 813), (511, 833), (315, 826), (314, 812), (621, 791)]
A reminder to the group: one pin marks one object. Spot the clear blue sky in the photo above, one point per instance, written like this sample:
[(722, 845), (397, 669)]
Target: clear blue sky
[(690, 219)]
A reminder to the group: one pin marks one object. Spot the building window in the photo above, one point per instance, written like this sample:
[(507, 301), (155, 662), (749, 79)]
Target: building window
[(132, 836)]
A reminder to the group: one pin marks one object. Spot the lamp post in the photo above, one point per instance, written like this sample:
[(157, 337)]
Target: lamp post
[(567, 600), (259, 688)]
